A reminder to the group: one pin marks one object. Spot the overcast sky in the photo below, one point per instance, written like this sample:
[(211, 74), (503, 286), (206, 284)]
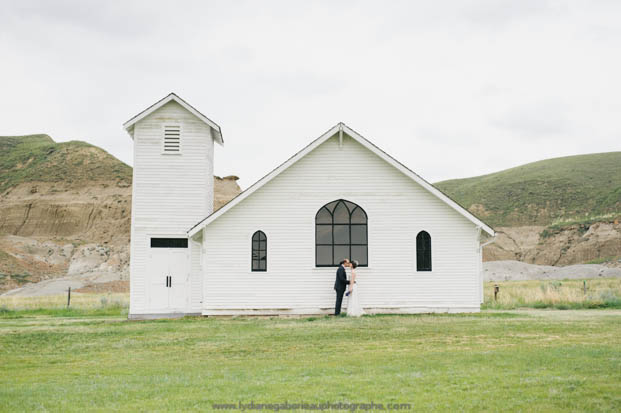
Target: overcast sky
[(450, 88)]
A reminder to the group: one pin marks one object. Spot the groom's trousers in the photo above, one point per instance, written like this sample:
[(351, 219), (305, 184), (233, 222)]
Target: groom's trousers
[(339, 301)]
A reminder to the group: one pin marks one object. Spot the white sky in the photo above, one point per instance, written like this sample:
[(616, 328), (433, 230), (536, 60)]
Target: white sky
[(450, 88)]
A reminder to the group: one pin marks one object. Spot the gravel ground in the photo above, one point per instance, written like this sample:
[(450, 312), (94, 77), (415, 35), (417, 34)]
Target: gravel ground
[(521, 271), (59, 285)]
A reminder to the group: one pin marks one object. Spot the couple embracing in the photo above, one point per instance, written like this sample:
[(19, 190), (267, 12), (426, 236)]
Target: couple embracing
[(340, 285)]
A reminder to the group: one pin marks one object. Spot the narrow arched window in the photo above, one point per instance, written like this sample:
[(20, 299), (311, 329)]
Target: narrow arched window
[(259, 251), (340, 232), (423, 251)]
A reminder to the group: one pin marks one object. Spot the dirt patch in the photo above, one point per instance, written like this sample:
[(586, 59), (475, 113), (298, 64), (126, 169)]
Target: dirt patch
[(106, 287)]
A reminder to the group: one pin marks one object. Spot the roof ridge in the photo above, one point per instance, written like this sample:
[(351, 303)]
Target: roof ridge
[(128, 126), (367, 144)]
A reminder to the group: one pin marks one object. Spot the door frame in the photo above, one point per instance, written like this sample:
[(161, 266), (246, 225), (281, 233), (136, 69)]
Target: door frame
[(149, 283)]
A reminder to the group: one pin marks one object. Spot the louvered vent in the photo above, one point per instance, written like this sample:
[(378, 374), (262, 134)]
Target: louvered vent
[(172, 139)]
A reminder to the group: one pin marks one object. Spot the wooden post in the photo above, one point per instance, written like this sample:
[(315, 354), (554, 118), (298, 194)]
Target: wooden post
[(68, 297), (496, 289), (584, 286)]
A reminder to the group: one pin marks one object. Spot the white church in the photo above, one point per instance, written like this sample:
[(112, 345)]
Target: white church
[(275, 248)]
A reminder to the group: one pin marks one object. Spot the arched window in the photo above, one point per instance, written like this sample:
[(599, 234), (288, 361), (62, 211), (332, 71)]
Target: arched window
[(259, 251), (423, 251), (340, 232)]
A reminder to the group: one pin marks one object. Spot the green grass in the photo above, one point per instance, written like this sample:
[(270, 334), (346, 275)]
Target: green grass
[(108, 304), (538, 360), (112, 310), (37, 158), (604, 260), (582, 225), (575, 187)]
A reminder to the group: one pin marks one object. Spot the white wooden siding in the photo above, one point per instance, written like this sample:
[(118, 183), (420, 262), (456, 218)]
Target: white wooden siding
[(196, 277), (285, 208), (170, 193)]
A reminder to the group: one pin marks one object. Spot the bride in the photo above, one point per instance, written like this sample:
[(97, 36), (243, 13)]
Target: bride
[(353, 305)]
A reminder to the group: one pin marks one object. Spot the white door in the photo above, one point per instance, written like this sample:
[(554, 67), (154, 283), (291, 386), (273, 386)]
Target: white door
[(179, 273), (168, 279), (157, 279)]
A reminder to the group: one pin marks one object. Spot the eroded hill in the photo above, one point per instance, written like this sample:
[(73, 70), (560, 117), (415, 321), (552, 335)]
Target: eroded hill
[(558, 211), (65, 209)]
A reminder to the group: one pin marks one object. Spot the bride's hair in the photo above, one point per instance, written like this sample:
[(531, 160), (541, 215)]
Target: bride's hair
[(354, 264)]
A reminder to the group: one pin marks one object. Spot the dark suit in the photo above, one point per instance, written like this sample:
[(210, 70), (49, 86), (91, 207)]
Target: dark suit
[(340, 285)]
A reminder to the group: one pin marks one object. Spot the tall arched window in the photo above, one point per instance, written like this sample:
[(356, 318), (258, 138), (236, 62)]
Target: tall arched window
[(423, 251), (259, 251), (340, 232)]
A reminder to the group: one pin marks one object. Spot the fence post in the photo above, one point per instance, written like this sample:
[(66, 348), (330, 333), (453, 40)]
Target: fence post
[(68, 297)]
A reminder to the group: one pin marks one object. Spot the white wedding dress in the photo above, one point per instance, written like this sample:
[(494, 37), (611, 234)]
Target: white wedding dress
[(353, 304)]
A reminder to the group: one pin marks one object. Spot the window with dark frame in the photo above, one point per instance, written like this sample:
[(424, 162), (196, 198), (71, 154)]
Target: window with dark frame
[(259, 251), (341, 231), (423, 251), (169, 242)]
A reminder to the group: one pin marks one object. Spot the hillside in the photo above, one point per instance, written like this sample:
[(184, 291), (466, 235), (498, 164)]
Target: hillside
[(65, 210), (576, 188), (37, 158), (560, 211)]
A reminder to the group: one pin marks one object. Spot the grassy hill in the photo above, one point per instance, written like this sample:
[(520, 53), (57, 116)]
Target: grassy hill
[(37, 158), (579, 188)]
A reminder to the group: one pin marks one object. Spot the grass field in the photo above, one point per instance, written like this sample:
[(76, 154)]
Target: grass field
[(527, 360), (81, 304), (557, 294)]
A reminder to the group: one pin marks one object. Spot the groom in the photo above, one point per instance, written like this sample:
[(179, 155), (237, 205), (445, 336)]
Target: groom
[(340, 285)]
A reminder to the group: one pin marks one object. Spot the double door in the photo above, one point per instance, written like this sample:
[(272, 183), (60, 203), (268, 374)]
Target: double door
[(169, 274)]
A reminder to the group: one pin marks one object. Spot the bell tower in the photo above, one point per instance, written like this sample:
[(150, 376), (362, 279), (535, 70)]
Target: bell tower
[(173, 188)]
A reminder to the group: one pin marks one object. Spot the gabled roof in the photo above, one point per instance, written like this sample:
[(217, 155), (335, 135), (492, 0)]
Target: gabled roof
[(341, 127), (129, 125)]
